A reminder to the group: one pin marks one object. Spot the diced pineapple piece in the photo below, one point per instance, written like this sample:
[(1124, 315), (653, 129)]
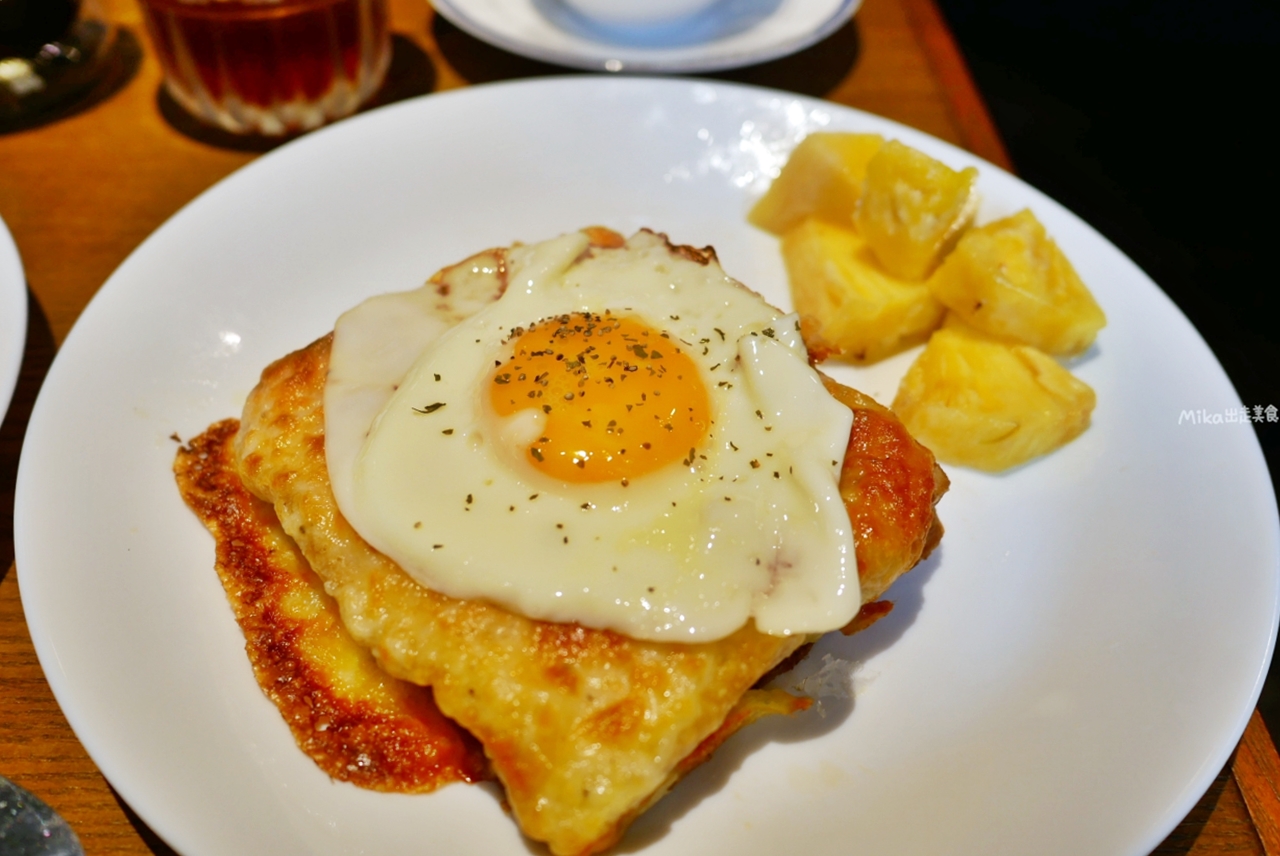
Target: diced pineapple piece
[(952, 321), (982, 403), (822, 178), (913, 209), (847, 301), (1009, 278)]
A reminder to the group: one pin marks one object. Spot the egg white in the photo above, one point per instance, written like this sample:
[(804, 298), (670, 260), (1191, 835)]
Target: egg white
[(752, 527)]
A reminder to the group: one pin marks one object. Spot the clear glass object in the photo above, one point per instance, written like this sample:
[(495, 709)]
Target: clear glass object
[(270, 67)]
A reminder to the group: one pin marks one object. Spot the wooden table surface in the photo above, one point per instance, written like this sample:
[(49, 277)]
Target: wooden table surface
[(80, 193)]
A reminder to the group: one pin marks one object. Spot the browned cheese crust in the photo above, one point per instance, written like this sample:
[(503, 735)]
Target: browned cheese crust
[(355, 722), (584, 728), (890, 485)]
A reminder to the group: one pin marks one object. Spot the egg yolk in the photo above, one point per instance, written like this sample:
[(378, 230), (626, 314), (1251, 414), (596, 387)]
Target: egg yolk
[(621, 399)]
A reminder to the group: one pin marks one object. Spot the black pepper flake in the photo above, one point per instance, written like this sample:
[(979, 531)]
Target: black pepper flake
[(470, 499), (430, 408), (731, 446), (536, 452), (437, 377), (436, 546), (533, 496), (447, 431), (417, 524), (755, 465), (721, 332)]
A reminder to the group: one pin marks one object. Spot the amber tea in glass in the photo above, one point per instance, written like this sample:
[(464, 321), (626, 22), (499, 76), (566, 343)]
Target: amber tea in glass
[(270, 66)]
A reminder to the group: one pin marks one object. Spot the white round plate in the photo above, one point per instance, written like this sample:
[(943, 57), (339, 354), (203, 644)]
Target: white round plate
[(1065, 675), (13, 316), (730, 34)]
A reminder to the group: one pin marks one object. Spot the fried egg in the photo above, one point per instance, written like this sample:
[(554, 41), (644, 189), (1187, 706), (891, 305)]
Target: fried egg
[(627, 438)]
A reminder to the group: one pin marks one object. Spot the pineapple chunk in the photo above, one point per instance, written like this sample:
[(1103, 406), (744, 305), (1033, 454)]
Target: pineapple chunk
[(986, 404), (913, 209), (846, 301), (1009, 278), (952, 321), (822, 178)]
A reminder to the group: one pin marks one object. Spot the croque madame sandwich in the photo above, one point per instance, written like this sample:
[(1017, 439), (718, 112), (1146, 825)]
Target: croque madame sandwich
[(551, 519)]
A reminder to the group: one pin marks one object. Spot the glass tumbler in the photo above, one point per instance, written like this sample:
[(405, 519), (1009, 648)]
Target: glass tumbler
[(270, 67)]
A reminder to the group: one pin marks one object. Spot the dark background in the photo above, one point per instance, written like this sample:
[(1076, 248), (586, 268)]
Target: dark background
[(1151, 121)]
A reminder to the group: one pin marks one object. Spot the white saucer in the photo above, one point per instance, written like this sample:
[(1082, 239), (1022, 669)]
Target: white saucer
[(730, 34)]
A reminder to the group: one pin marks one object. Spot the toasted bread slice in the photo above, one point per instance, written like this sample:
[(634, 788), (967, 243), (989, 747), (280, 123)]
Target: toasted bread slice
[(584, 728)]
